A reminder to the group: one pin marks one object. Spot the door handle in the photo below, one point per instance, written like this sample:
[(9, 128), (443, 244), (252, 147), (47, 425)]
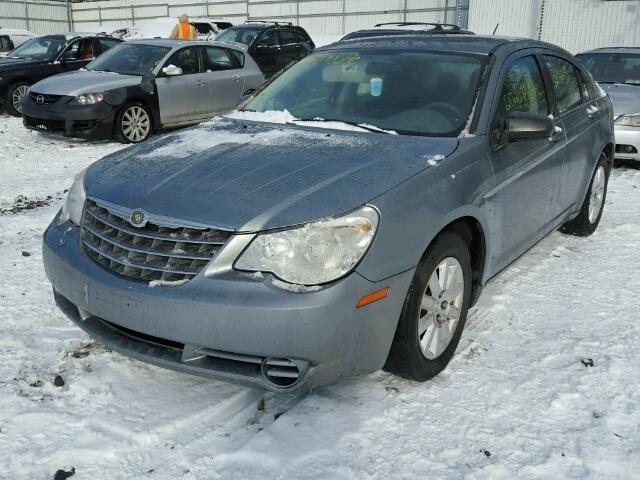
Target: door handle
[(591, 111), (236, 77), (200, 83), (558, 134)]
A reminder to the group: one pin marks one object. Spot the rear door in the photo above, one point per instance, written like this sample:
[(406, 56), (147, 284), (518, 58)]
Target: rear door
[(184, 98), (578, 111), (226, 81), (292, 46), (526, 172), (266, 52)]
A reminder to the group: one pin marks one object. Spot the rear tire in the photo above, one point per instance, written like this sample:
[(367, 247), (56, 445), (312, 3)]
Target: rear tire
[(588, 219), (133, 123), (434, 312), (13, 98)]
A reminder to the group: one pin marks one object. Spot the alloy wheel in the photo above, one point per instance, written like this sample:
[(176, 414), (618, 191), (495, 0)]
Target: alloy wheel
[(18, 94), (597, 194), (136, 124), (441, 308)]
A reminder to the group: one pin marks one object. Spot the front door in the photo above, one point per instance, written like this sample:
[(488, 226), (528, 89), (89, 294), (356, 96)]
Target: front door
[(581, 120), (77, 54), (225, 79), (184, 98), (526, 172)]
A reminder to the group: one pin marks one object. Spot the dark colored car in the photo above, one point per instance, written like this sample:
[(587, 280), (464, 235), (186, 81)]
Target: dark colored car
[(141, 86), (273, 45), (404, 28), (344, 220), (42, 57)]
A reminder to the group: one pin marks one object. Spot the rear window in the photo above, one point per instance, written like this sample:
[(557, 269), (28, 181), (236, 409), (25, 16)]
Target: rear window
[(239, 35), (613, 67)]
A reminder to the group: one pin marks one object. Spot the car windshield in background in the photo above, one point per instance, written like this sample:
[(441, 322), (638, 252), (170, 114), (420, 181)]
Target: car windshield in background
[(412, 93), (239, 35), (613, 67), (129, 59), (41, 48)]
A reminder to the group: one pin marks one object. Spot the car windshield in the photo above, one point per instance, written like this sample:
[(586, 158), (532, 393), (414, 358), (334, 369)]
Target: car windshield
[(41, 48), (244, 35), (129, 59), (409, 92), (613, 67)]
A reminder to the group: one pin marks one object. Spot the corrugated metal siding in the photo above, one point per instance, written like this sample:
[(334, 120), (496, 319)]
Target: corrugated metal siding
[(576, 25), (320, 17), (36, 16)]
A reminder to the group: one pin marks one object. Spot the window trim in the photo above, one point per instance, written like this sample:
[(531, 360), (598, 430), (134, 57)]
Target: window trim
[(583, 101), (234, 61), (198, 48), (506, 66)]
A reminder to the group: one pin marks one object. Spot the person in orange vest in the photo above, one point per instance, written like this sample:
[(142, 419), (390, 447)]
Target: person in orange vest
[(184, 30)]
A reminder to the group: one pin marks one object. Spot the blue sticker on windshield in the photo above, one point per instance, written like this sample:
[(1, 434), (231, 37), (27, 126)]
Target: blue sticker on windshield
[(375, 86)]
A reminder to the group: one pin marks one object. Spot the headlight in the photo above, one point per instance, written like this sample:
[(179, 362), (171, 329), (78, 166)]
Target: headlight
[(89, 98), (315, 253), (632, 120), (72, 208)]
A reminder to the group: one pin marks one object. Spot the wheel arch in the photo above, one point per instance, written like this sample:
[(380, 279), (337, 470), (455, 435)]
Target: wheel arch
[(471, 230)]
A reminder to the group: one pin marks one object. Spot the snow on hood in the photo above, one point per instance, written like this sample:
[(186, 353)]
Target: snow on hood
[(625, 98), (249, 176), (84, 81)]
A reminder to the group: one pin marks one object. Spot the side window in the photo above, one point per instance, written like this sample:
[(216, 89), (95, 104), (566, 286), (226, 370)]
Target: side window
[(71, 52), (523, 90), (564, 78), (239, 56), (187, 59), (269, 38), (217, 58), (288, 37), (107, 43), (5, 44)]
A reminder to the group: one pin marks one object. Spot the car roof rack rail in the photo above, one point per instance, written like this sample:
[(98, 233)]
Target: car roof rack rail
[(274, 22), (437, 26)]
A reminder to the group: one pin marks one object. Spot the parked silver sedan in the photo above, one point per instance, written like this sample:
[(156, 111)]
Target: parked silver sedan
[(141, 86)]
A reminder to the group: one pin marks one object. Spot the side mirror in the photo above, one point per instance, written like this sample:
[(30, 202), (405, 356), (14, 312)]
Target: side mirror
[(528, 126), (172, 71)]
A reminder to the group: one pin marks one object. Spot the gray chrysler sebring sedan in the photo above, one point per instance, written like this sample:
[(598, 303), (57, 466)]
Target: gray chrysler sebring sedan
[(344, 219)]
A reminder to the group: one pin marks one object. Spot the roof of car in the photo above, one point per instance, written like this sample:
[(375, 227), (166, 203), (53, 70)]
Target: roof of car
[(460, 43), (171, 43), (614, 50)]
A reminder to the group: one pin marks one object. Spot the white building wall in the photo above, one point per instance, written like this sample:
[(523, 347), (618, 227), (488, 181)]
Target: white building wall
[(576, 25)]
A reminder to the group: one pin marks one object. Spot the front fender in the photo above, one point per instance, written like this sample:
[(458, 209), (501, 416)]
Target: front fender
[(414, 212)]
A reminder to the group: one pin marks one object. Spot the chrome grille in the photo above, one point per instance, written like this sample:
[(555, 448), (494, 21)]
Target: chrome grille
[(151, 252)]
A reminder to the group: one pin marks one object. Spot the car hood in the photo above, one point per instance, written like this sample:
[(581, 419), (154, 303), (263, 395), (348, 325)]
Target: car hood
[(625, 98), (84, 81), (249, 176), (7, 63)]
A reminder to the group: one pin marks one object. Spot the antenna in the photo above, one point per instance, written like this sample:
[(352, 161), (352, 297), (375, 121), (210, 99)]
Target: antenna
[(496, 29)]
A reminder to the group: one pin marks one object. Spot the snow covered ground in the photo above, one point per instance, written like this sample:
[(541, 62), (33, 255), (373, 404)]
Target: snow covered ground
[(517, 401)]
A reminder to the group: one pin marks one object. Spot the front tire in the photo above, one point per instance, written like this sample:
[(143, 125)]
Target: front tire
[(133, 123), (434, 312), (588, 219), (13, 98)]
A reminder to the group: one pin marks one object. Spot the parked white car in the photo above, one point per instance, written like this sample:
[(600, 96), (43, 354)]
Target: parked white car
[(10, 38)]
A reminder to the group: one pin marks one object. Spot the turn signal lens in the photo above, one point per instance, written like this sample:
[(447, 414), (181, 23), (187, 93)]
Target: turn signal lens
[(369, 298)]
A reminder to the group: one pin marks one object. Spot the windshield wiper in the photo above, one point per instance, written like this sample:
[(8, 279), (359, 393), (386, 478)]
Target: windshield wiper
[(355, 124)]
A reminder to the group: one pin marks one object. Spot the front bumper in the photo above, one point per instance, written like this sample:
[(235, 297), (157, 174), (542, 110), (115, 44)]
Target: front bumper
[(236, 321), (81, 121), (627, 143)]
